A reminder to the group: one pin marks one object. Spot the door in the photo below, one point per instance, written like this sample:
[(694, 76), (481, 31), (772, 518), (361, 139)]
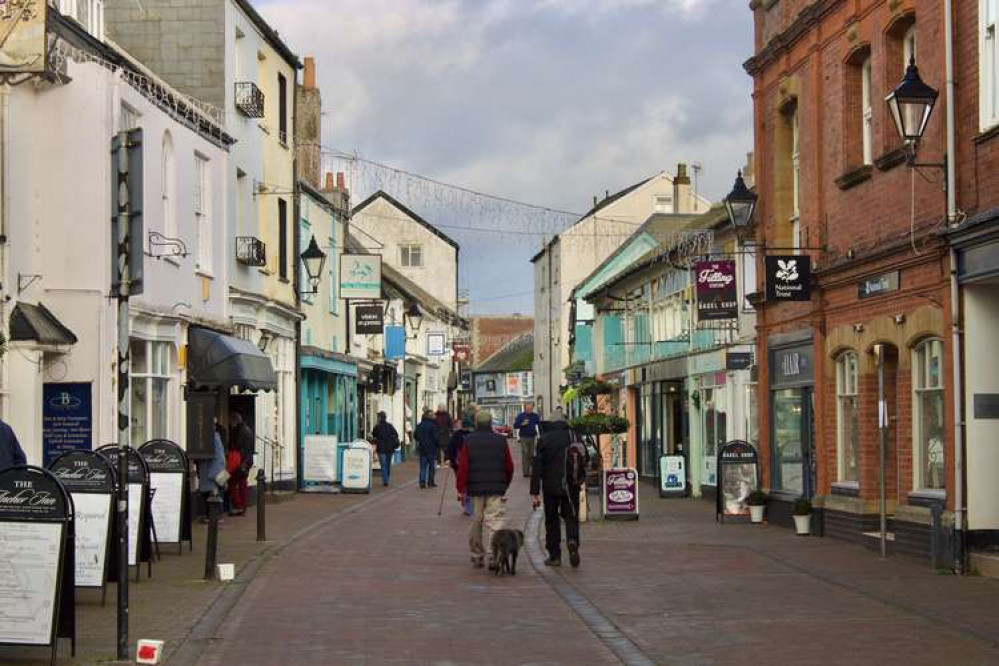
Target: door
[(793, 456)]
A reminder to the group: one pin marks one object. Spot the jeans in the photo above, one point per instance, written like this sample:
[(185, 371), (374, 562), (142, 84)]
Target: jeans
[(428, 467), (561, 508), (385, 461)]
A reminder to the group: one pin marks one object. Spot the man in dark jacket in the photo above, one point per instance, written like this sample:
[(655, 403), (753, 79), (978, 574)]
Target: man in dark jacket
[(526, 425), (444, 426), (485, 470), (242, 441), (11, 453), (561, 501), (426, 447), (386, 439)]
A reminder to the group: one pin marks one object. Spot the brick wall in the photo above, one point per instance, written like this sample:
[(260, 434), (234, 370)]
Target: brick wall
[(489, 334)]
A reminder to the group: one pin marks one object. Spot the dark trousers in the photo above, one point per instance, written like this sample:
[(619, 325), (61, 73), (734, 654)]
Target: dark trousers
[(559, 508), (385, 461), (428, 467)]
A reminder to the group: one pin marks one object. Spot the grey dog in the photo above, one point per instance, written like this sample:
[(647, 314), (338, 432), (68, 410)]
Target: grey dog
[(506, 545)]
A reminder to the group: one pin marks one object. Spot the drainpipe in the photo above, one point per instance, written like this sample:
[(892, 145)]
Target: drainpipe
[(955, 306), (879, 352)]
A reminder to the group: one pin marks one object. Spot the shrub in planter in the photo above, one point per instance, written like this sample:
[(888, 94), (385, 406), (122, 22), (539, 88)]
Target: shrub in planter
[(802, 516), (599, 424), (757, 502), (802, 507)]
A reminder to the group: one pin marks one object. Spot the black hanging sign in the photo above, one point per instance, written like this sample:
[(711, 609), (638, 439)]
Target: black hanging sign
[(90, 480), (789, 277), (738, 475), (37, 601), (738, 360), (170, 483), (369, 320)]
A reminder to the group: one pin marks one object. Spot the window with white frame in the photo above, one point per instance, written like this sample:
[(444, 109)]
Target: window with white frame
[(909, 46), (663, 204), (150, 383), (795, 182), (128, 118), (333, 272), (928, 415), (411, 256), (847, 418), (988, 69), (203, 213), (168, 187), (867, 119)]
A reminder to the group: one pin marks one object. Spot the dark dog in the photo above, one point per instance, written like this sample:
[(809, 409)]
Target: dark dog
[(506, 545)]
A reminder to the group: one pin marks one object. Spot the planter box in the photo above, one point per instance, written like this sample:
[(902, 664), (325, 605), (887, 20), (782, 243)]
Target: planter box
[(803, 525)]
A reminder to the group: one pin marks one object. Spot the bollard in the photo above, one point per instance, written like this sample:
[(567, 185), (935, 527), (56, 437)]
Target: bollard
[(211, 543), (261, 506)]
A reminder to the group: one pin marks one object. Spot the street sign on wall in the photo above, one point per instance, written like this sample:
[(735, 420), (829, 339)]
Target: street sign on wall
[(361, 276), (789, 277), (717, 292)]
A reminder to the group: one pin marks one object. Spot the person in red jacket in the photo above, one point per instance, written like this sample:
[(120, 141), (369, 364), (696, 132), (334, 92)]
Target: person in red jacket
[(485, 470)]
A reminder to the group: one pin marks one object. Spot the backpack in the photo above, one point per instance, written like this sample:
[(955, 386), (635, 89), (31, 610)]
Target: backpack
[(575, 464)]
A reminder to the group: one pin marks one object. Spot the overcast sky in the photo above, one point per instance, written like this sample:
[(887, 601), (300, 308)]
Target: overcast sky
[(544, 101)]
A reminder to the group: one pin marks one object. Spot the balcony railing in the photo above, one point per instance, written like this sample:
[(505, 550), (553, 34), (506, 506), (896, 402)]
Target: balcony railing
[(249, 99), (251, 251)]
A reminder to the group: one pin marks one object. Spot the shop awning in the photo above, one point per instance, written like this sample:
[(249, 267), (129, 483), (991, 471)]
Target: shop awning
[(216, 360), (37, 323)]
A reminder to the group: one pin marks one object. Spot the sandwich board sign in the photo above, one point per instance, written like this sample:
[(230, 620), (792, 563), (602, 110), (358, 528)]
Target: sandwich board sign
[(171, 490), (140, 525), (356, 475), (672, 476), (738, 468), (90, 480), (319, 463), (37, 595), (620, 493)]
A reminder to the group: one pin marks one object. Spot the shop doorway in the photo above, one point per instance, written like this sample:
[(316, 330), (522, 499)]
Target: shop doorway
[(793, 441), (660, 425)]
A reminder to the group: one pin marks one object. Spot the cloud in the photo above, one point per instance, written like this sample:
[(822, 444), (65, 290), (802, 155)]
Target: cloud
[(551, 102)]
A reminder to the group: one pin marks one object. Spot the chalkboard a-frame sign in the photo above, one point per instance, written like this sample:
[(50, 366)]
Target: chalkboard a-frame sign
[(37, 596), (90, 481), (738, 475), (138, 478), (169, 477)]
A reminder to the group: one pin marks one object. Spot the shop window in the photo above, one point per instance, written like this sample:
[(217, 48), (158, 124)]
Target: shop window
[(928, 415), (789, 422), (150, 381), (847, 418), (715, 423)]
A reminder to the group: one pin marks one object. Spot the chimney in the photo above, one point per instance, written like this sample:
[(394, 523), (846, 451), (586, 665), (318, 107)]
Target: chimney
[(329, 182), (340, 181), (606, 194), (309, 78), (682, 199), (595, 200)]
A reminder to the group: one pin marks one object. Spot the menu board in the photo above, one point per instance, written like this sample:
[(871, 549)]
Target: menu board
[(167, 504), (357, 468), (319, 459), (29, 571), (135, 505), (93, 521), (738, 475)]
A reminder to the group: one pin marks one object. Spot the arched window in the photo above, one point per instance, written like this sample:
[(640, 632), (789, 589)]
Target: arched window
[(928, 415), (847, 419), (168, 187)]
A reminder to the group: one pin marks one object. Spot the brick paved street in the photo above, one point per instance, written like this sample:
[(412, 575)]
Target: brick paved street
[(380, 579)]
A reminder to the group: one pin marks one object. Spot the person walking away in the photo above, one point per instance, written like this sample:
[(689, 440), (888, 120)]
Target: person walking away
[(11, 453), (485, 470), (444, 426), (209, 470), (454, 447), (241, 442), (559, 472), (426, 447), (526, 425), (386, 439)]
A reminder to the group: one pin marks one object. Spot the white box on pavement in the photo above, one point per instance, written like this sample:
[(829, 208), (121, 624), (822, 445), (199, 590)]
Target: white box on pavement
[(148, 651)]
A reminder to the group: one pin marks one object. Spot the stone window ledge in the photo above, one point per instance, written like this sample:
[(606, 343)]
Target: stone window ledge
[(846, 488), (854, 177), (987, 135), (927, 498)]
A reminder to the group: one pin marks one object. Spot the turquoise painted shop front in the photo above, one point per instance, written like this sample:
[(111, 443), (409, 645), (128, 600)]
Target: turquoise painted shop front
[(329, 400)]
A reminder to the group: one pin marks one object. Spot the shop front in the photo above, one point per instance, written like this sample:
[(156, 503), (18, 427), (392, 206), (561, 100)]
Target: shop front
[(329, 397), (792, 449)]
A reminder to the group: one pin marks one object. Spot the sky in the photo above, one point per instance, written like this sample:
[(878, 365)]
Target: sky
[(548, 102)]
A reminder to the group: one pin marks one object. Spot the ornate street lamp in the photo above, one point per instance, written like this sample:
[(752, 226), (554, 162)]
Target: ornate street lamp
[(911, 104), (740, 204), (413, 318), (314, 260)]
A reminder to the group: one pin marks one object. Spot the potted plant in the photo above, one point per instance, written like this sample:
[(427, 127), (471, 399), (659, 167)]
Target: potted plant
[(802, 516), (757, 502)]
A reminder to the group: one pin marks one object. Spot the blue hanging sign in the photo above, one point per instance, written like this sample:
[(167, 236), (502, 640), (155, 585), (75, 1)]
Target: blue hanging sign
[(395, 342), (67, 419)]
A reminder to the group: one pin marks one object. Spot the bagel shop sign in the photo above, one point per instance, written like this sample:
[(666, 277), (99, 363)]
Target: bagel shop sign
[(717, 293)]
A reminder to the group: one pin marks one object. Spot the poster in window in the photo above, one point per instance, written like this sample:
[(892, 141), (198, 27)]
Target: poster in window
[(513, 383), (717, 292), (738, 475)]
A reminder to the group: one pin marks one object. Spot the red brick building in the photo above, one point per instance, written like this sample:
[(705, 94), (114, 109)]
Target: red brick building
[(489, 334), (833, 182)]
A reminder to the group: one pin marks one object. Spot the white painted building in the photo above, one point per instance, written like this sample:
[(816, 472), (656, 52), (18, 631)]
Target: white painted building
[(573, 254)]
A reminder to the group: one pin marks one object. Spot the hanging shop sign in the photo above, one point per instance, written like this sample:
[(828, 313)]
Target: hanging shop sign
[(24, 46), (738, 360), (170, 486), (37, 595), (672, 476), (462, 351), (738, 468), (395, 342), (620, 494), (67, 419), (369, 320), (789, 277), (361, 276), (717, 292), (89, 478), (877, 285), (436, 343), (465, 383)]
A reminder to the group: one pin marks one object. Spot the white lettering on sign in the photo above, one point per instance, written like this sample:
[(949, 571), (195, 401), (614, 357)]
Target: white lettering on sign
[(27, 497), (791, 364), (714, 277)]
